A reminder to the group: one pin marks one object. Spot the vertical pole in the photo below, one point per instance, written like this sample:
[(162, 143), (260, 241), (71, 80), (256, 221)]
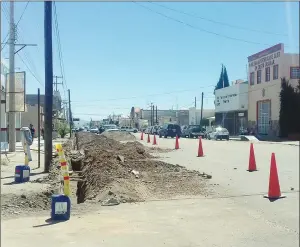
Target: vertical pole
[(201, 116), (156, 115), (11, 89), (48, 83), (151, 115), (70, 113), (39, 129), (195, 102), (153, 111)]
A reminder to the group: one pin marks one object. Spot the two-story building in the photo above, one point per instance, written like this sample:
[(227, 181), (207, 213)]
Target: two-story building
[(265, 70)]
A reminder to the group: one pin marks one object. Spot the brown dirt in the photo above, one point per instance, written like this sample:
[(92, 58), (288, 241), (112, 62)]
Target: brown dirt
[(109, 171), (119, 135)]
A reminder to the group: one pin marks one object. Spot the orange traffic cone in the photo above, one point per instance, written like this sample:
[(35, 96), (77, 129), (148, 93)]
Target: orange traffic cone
[(154, 140), (177, 143), (148, 138), (274, 187), (200, 149), (252, 162), (142, 136)]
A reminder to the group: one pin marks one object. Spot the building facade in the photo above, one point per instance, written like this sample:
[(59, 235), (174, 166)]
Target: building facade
[(30, 116), (195, 115), (231, 105), (265, 70)]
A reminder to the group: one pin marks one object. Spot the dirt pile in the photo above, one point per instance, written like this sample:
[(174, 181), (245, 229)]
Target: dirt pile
[(114, 173), (119, 135)]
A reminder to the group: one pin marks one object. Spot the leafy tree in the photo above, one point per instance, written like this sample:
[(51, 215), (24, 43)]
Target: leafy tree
[(220, 82), (63, 129), (289, 119), (225, 78)]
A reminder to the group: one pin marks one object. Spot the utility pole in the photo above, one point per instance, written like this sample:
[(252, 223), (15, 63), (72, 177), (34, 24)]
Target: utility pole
[(201, 116), (156, 115), (48, 83), (57, 83), (39, 129), (153, 111), (151, 122), (11, 89), (195, 102), (70, 113)]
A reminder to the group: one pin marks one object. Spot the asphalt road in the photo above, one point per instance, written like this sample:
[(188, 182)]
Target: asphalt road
[(227, 162), (237, 216)]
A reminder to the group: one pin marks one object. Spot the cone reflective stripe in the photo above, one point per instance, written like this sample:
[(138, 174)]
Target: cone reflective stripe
[(274, 187), (252, 162), (200, 149), (177, 143)]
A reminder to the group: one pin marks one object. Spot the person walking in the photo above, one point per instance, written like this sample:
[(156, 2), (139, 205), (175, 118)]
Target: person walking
[(32, 131)]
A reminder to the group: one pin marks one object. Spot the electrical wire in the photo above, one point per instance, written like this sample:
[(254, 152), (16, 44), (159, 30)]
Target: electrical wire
[(201, 29), (217, 22), (30, 71)]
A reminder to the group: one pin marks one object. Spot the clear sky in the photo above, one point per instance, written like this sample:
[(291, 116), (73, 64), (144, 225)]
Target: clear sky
[(119, 55)]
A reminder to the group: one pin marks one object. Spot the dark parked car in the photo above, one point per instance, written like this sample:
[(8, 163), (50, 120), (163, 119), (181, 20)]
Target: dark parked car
[(193, 131), (170, 130)]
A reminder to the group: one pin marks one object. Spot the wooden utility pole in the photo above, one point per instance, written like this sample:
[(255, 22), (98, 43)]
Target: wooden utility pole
[(70, 113), (201, 116), (48, 84), (57, 83)]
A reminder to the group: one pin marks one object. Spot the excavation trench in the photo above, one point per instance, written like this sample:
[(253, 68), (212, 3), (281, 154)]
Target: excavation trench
[(127, 172)]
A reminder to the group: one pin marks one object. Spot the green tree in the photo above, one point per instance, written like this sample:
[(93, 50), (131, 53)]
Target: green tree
[(63, 129), (225, 78), (220, 82)]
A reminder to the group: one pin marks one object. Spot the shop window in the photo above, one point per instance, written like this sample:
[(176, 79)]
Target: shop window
[(252, 78), (295, 72), (275, 72), (268, 74), (258, 79)]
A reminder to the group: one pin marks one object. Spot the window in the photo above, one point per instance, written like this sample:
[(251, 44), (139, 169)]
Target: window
[(252, 78), (268, 74), (258, 76), (275, 72), (295, 72)]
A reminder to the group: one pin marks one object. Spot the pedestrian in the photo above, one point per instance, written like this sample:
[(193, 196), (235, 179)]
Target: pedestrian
[(32, 131)]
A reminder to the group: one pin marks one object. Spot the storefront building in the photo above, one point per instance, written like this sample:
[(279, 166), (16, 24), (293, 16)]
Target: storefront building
[(231, 105), (265, 70)]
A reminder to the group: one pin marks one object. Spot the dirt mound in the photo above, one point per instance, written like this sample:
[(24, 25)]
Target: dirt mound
[(119, 135), (114, 173)]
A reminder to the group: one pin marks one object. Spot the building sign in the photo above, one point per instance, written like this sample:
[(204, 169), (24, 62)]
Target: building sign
[(233, 98), (266, 58)]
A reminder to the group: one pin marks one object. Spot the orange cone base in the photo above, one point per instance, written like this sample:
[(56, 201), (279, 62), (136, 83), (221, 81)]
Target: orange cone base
[(274, 198)]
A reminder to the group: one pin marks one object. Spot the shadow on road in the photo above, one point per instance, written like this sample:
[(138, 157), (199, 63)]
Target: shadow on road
[(50, 222)]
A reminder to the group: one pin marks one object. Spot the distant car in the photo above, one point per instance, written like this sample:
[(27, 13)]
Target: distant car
[(219, 133), (193, 131), (112, 130), (94, 130), (109, 126), (170, 130)]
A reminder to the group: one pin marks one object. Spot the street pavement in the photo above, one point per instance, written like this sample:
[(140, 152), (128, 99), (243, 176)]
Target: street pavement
[(236, 216)]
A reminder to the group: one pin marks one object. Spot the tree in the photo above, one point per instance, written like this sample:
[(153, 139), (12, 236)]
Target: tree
[(220, 82), (289, 119), (63, 129), (225, 78)]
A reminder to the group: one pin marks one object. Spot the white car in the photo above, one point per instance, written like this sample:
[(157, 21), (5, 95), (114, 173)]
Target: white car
[(219, 133), (111, 130)]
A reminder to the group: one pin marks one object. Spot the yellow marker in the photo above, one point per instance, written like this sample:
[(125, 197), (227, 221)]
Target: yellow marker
[(26, 160)]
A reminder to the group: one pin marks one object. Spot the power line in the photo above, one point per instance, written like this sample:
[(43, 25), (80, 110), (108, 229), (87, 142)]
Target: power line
[(143, 96), (217, 22), (201, 29), (22, 13), (30, 70)]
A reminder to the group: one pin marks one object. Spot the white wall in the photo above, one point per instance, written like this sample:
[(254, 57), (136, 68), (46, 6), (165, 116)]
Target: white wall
[(195, 115), (233, 98)]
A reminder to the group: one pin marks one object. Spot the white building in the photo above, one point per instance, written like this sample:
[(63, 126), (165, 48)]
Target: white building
[(266, 68), (231, 105), (195, 115)]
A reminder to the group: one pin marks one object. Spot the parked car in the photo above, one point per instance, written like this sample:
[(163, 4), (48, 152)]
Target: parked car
[(129, 129), (193, 131), (94, 130), (219, 133), (171, 130)]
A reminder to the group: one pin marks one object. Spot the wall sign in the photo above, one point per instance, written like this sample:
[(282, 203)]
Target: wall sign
[(224, 99)]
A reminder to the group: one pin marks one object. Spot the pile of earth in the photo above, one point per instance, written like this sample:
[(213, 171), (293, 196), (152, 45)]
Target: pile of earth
[(115, 172), (119, 135)]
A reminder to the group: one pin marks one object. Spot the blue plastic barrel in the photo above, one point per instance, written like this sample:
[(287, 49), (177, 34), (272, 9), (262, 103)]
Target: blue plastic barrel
[(60, 207), (22, 174)]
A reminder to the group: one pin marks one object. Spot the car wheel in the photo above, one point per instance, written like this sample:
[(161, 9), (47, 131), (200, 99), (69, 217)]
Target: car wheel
[(208, 137), (159, 136), (166, 136)]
